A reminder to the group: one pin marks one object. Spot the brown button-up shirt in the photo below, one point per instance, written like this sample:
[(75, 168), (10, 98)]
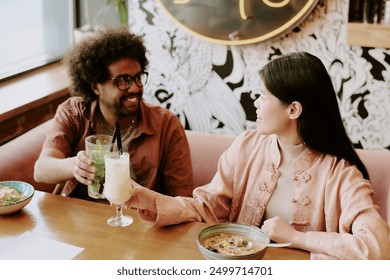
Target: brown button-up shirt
[(159, 151)]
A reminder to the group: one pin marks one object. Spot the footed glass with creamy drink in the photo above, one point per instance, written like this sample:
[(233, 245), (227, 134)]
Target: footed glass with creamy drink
[(117, 186)]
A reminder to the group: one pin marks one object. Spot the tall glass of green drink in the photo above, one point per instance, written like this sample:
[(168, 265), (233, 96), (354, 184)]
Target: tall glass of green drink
[(96, 147)]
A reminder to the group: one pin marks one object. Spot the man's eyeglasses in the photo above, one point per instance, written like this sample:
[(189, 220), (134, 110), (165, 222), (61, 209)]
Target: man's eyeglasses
[(123, 82)]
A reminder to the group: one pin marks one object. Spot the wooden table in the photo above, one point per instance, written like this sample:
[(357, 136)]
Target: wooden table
[(83, 224)]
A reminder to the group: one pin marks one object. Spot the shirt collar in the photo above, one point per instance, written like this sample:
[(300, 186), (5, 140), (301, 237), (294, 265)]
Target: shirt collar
[(144, 123), (89, 113)]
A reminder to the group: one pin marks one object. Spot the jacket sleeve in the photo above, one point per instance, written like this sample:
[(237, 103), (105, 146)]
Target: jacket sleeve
[(210, 203), (360, 231)]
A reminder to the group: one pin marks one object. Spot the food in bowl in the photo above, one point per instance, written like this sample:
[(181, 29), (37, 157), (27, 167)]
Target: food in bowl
[(10, 195), (15, 195), (231, 244), (232, 241)]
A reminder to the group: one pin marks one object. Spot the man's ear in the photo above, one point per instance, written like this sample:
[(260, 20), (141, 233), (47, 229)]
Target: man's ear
[(295, 110), (95, 88)]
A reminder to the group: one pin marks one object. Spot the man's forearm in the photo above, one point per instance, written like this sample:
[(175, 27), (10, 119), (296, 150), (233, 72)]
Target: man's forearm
[(53, 170)]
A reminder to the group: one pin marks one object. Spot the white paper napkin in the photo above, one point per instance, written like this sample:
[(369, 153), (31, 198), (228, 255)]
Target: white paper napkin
[(31, 246)]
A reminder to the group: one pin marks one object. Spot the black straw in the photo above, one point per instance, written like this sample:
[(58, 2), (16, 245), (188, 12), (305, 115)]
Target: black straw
[(118, 137), (113, 139), (114, 136)]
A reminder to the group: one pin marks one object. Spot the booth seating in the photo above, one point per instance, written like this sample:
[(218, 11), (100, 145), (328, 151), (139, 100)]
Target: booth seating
[(17, 160)]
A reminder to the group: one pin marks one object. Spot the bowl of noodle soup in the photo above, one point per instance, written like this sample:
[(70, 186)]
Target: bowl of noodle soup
[(230, 241), (14, 196)]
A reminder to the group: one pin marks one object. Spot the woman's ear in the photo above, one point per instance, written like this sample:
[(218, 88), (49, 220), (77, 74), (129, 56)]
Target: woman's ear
[(295, 110)]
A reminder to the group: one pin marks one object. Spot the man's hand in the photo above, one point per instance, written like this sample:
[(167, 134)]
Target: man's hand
[(83, 170)]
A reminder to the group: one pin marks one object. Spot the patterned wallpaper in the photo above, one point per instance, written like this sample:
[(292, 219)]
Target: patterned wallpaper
[(212, 87)]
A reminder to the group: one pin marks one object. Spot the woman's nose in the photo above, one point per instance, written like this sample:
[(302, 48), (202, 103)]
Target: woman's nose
[(257, 102)]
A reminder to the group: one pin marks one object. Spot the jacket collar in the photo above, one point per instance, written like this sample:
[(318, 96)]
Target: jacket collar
[(303, 162)]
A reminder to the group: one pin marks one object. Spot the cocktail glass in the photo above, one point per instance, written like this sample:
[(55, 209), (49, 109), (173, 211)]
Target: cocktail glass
[(96, 147), (117, 187)]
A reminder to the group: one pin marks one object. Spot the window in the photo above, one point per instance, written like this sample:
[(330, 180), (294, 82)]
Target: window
[(33, 33)]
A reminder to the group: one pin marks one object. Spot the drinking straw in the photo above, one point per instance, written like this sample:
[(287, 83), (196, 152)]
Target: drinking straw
[(118, 137), (113, 139), (113, 136)]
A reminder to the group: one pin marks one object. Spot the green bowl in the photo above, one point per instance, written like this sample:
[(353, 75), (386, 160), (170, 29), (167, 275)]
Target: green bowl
[(251, 232), (25, 188)]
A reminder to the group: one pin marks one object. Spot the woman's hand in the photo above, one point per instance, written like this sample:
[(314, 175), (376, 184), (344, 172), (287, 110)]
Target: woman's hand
[(83, 170), (280, 231), (142, 198)]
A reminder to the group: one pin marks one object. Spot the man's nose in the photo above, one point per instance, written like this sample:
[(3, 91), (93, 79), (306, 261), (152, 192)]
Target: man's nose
[(133, 87)]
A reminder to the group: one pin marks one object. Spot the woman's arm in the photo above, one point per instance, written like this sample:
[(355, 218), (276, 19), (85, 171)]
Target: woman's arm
[(162, 210), (355, 229), (361, 232)]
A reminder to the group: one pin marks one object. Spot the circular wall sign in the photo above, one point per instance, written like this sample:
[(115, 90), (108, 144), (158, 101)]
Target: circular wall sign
[(238, 22)]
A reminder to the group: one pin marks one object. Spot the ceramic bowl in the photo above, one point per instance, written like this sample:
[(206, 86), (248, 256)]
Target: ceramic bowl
[(255, 234), (22, 187)]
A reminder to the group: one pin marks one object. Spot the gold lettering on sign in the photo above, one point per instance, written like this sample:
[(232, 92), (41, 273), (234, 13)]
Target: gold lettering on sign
[(241, 6), (242, 10), (276, 4), (181, 1), (236, 22)]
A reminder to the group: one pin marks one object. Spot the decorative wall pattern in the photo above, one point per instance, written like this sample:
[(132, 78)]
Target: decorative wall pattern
[(212, 87)]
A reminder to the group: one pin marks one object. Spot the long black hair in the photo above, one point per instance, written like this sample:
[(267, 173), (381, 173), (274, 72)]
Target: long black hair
[(303, 77)]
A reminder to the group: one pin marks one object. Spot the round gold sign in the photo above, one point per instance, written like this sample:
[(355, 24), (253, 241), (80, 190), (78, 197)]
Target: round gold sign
[(238, 22)]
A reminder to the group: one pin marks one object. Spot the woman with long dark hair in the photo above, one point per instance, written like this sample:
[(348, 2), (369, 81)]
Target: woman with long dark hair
[(302, 77), (297, 176)]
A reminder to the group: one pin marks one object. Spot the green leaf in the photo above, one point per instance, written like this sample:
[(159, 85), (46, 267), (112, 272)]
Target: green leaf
[(121, 9)]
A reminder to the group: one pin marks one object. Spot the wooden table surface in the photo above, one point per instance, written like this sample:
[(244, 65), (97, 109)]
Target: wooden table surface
[(83, 224)]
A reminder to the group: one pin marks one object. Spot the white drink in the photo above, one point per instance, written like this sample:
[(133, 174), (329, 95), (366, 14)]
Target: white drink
[(117, 187)]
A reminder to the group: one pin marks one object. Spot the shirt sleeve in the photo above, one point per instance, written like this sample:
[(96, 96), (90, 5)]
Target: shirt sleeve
[(177, 177), (60, 136)]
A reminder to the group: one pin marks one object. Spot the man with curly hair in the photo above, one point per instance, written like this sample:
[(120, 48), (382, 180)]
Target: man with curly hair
[(108, 73)]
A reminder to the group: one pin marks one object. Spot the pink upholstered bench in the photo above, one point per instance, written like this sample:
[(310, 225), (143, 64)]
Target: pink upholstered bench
[(17, 160)]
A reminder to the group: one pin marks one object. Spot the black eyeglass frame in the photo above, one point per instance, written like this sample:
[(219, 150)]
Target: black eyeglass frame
[(137, 79)]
